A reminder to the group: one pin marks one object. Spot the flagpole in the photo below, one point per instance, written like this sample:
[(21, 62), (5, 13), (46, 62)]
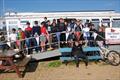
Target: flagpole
[(3, 7)]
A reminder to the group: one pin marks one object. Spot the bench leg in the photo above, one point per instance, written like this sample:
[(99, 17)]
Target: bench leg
[(18, 72), (13, 66)]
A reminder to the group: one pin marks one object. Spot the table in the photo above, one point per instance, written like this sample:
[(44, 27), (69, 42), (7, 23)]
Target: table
[(7, 56)]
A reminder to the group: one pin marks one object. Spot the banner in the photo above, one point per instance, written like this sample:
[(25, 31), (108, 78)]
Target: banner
[(112, 35)]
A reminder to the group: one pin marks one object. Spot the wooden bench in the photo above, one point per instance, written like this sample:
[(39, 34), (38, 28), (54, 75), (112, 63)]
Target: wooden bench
[(22, 64)]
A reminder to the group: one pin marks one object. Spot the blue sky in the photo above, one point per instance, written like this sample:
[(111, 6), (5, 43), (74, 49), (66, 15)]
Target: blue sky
[(58, 5)]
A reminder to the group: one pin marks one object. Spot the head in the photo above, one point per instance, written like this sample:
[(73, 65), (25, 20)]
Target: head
[(54, 20), (92, 26), (66, 23), (76, 43), (45, 18), (72, 21), (42, 24), (19, 30), (78, 22), (14, 30), (36, 22), (61, 20), (28, 23), (48, 22)]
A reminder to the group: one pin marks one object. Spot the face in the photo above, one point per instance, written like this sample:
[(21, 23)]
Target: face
[(76, 43), (66, 23), (61, 20), (54, 24), (13, 31), (48, 23)]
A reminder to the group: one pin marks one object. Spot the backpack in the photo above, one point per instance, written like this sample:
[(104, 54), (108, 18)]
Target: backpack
[(77, 28)]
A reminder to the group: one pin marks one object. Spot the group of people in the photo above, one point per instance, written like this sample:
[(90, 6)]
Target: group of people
[(39, 35), (71, 32)]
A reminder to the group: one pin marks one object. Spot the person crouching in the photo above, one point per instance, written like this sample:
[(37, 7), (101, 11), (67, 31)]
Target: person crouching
[(77, 52)]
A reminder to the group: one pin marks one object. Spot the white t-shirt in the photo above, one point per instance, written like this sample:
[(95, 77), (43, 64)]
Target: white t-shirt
[(13, 37), (86, 32)]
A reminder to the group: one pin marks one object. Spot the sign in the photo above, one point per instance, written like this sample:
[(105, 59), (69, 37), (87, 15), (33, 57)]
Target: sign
[(112, 35)]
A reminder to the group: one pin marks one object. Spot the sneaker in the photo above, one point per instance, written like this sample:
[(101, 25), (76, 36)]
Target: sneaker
[(50, 49)]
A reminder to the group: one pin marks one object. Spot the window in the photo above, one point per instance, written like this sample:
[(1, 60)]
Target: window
[(116, 23), (12, 22), (106, 22), (23, 22), (96, 23)]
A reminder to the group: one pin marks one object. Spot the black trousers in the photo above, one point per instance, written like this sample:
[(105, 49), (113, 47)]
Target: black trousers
[(82, 56)]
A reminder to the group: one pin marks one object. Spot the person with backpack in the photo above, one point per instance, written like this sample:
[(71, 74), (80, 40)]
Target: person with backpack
[(78, 29)]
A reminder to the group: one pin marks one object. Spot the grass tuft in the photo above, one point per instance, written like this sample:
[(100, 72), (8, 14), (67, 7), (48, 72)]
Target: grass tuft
[(54, 64)]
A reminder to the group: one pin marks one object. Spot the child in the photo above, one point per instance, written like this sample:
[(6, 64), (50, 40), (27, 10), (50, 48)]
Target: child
[(42, 40), (43, 36), (13, 38), (77, 52)]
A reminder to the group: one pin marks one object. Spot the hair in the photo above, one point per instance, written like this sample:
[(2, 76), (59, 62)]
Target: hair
[(42, 23), (36, 22), (13, 29), (45, 17), (19, 29), (28, 23)]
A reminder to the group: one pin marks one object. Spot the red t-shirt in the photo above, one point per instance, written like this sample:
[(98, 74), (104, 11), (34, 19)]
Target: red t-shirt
[(43, 30), (28, 28)]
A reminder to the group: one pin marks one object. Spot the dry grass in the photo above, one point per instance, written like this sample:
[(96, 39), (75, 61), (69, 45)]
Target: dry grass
[(43, 71)]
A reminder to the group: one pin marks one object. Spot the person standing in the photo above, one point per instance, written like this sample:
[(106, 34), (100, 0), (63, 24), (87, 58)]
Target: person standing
[(49, 35), (21, 38), (36, 31), (43, 36), (28, 35), (78, 29), (45, 22), (13, 38)]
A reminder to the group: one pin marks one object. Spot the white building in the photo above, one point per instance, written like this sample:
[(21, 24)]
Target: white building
[(109, 17)]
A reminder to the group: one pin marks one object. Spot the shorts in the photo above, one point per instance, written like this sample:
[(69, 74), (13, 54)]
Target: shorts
[(42, 38)]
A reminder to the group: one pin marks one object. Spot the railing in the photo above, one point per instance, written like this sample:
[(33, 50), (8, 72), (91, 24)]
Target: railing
[(49, 43)]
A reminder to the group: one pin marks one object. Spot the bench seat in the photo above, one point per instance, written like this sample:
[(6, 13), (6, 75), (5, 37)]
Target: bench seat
[(23, 62), (86, 49)]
